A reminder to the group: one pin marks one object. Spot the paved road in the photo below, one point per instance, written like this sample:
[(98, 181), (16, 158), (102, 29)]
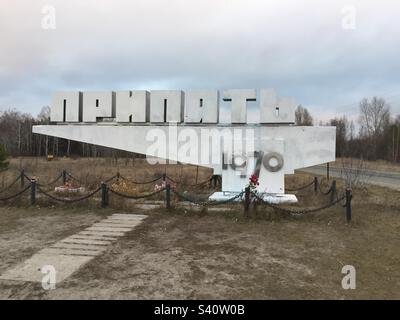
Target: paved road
[(380, 178)]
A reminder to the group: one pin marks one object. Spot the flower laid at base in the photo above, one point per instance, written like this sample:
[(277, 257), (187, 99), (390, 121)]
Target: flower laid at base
[(253, 182), (69, 188)]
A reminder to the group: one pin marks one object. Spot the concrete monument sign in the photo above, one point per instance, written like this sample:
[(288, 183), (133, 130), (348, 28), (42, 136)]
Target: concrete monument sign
[(184, 126)]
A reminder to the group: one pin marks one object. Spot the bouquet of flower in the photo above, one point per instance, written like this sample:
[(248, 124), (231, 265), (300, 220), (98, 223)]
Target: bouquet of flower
[(253, 182), (163, 185)]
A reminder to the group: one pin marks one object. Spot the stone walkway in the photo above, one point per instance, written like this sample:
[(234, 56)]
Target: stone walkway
[(71, 253)]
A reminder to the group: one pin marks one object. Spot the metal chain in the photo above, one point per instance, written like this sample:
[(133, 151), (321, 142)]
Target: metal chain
[(207, 203), (50, 183), (135, 197), (298, 212), (324, 192), (15, 195), (302, 187), (9, 186), (69, 200), (110, 179), (144, 182), (73, 178), (191, 185)]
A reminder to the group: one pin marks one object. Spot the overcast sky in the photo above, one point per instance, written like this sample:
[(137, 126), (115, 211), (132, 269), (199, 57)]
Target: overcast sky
[(300, 48)]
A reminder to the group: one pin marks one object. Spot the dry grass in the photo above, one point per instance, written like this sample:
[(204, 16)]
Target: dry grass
[(379, 165)]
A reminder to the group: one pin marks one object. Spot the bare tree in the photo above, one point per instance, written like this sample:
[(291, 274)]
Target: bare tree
[(355, 173), (303, 117), (374, 118), (342, 128)]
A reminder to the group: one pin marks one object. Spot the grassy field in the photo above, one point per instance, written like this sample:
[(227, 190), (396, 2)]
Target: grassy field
[(189, 254), (379, 165)]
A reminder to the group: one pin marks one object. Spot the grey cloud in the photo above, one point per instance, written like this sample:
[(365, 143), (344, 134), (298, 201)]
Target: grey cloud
[(299, 49)]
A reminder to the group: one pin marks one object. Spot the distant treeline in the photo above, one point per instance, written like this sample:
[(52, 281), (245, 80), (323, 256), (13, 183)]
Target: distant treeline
[(377, 136)]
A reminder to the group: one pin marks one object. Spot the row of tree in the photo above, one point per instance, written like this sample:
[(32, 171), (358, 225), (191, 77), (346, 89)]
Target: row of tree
[(17, 137), (377, 136)]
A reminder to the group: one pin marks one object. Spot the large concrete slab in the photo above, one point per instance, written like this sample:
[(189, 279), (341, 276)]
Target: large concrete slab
[(85, 241), (108, 229), (73, 252), (78, 246), (121, 223), (94, 237), (129, 216), (115, 226), (103, 233)]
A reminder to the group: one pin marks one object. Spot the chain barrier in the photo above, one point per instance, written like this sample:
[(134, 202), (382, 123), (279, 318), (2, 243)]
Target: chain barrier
[(189, 185), (73, 178), (322, 191), (301, 188), (15, 195), (110, 179), (298, 212), (207, 203), (51, 182), (26, 177), (127, 196), (10, 185), (142, 182), (68, 200)]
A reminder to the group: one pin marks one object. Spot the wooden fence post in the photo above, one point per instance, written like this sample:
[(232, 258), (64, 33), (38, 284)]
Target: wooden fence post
[(64, 177), (22, 178), (348, 205), (333, 190), (246, 200), (33, 192), (104, 195), (315, 185), (327, 171), (168, 196)]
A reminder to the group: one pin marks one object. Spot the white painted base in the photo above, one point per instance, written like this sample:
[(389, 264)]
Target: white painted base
[(271, 198)]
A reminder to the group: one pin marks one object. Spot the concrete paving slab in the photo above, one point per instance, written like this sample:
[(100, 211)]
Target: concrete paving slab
[(84, 241), (69, 252), (122, 222), (129, 216), (113, 225), (118, 218), (94, 237), (29, 270), (108, 229), (78, 246), (105, 233)]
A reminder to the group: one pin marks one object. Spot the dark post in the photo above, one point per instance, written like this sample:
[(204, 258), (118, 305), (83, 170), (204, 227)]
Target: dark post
[(327, 170), (348, 205), (333, 190), (168, 196), (118, 176), (104, 195), (64, 177), (246, 200), (33, 192), (164, 176), (315, 185), (22, 178)]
